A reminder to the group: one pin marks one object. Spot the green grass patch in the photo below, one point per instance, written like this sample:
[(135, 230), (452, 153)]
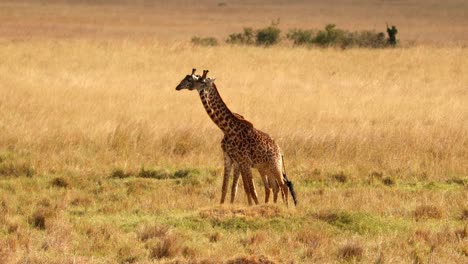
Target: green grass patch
[(363, 223)]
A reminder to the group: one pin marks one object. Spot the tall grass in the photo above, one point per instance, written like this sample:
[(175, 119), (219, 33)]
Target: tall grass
[(96, 105)]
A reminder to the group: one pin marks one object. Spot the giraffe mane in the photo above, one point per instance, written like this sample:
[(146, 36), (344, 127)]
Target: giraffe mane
[(242, 119), (236, 115)]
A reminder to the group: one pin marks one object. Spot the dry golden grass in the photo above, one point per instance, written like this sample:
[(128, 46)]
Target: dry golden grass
[(102, 161)]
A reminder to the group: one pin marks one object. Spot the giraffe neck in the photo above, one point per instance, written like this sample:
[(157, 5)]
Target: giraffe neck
[(219, 112)]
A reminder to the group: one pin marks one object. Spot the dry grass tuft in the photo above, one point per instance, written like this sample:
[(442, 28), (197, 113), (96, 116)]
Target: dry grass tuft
[(254, 240), (250, 260), (39, 219), (150, 232), (464, 215), (60, 182), (340, 177), (215, 237), (351, 251), (424, 212), (389, 181), (129, 254), (120, 174), (167, 247), (462, 233), (311, 240)]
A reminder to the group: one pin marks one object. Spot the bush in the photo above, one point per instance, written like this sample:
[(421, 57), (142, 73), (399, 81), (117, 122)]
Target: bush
[(329, 37), (364, 39), (332, 36), (244, 38), (268, 36), (300, 36), (210, 41)]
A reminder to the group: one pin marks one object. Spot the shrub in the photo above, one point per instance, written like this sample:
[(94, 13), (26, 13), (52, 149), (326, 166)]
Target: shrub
[(329, 37), (300, 36), (244, 38), (268, 36), (364, 39), (209, 41)]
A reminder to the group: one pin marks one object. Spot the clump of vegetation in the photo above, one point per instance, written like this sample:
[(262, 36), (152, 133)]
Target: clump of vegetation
[(154, 174), (129, 254), (150, 232), (339, 177), (251, 260), (424, 212), (40, 218), (351, 251), (268, 36), (120, 174), (464, 215), (59, 182), (11, 167), (215, 237), (389, 181), (167, 247), (458, 180), (360, 223), (330, 36), (161, 174), (300, 36), (244, 38), (262, 37), (208, 41)]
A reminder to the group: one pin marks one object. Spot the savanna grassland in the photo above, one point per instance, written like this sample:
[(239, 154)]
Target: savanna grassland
[(102, 161)]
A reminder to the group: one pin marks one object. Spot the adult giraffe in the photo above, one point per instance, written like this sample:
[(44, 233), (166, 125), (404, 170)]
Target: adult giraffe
[(243, 146)]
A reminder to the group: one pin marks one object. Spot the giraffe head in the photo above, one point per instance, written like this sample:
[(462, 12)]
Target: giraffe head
[(195, 82)]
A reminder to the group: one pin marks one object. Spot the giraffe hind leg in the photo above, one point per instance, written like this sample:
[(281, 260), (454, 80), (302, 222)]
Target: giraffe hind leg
[(246, 173), (278, 176), (235, 183), (266, 183)]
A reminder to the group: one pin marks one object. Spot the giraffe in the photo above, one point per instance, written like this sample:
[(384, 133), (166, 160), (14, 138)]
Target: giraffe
[(244, 147)]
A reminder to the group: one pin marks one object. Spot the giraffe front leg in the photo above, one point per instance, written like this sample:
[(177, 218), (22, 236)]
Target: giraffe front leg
[(247, 190), (235, 183), (227, 172)]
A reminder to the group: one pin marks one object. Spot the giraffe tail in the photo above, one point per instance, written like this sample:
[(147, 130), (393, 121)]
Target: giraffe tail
[(289, 183)]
